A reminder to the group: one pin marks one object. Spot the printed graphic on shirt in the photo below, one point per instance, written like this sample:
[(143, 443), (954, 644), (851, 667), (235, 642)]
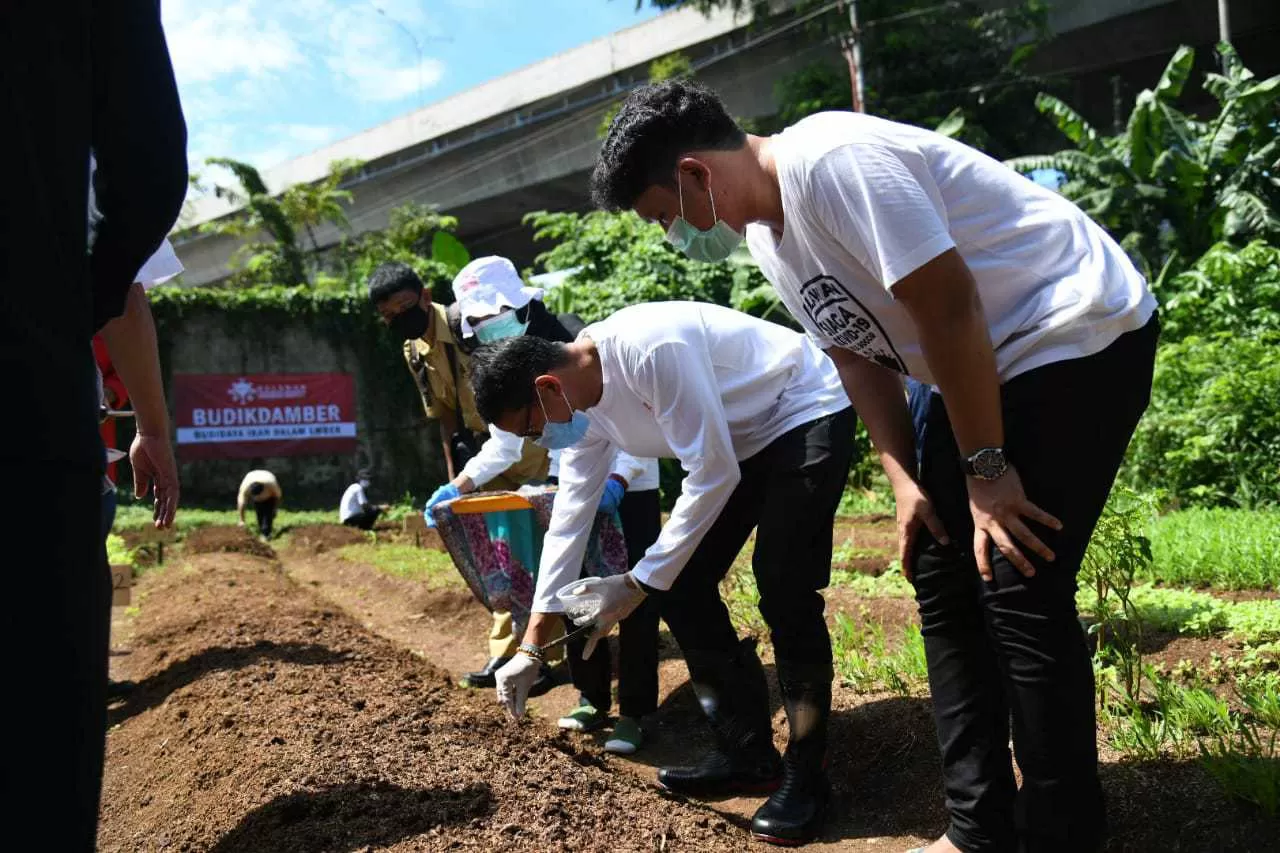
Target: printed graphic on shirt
[(838, 314)]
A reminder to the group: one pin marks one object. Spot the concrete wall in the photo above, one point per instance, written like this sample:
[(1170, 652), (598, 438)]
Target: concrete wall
[(392, 430)]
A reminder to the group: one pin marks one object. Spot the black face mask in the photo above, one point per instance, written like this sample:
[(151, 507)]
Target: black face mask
[(411, 323)]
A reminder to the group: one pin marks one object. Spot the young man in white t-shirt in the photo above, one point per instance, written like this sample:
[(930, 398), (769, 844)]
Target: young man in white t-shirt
[(756, 416), (355, 510), (903, 252)]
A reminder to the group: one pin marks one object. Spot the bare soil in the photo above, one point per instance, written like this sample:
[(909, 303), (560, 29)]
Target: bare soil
[(307, 702)]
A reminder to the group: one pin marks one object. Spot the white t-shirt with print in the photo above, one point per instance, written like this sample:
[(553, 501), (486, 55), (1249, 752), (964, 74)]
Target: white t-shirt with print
[(867, 201), (692, 381)]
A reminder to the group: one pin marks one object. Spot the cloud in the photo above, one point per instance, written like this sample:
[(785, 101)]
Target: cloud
[(379, 55), (207, 43), (382, 82), (308, 134)]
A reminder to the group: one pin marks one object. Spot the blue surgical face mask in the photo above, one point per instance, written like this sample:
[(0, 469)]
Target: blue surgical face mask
[(559, 435), (711, 246), (503, 326)]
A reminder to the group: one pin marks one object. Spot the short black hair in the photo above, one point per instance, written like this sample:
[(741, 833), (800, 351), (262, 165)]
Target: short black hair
[(391, 278), (656, 125), (502, 373), (256, 489)]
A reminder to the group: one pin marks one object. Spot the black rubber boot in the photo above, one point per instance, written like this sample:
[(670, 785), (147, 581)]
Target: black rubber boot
[(795, 813), (735, 698)]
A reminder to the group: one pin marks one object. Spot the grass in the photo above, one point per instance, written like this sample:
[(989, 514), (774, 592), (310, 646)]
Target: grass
[(118, 554), (868, 662), (878, 500), (135, 516), (1198, 614), (1224, 548), (435, 568), (1236, 739), (891, 584)]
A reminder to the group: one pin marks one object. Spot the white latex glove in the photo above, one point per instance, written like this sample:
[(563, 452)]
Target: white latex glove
[(605, 601), (515, 680)]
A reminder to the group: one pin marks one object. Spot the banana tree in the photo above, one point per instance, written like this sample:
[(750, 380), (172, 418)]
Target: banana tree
[(1171, 184)]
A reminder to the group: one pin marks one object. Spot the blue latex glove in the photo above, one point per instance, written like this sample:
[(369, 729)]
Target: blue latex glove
[(613, 494), (447, 492)]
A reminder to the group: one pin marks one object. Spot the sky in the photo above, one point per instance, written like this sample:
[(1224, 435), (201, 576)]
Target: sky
[(267, 80)]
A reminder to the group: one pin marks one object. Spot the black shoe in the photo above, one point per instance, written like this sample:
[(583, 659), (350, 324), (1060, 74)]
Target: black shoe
[(546, 680), (794, 814), (733, 694), (719, 775), (485, 677)]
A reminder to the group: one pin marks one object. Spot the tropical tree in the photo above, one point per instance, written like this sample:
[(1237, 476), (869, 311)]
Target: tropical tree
[(417, 235), (312, 205), (282, 259), (1172, 184), (278, 261)]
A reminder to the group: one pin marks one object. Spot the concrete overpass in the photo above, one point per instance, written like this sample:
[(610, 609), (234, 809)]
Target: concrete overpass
[(527, 140)]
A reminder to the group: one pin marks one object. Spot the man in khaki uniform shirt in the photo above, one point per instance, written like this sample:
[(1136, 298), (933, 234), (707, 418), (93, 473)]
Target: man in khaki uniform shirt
[(434, 360)]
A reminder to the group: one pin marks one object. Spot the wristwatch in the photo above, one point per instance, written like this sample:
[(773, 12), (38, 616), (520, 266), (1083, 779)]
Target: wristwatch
[(988, 463)]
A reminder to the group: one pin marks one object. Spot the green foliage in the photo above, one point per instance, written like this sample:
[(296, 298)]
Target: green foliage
[(119, 554), (311, 205), (1226, 290), (417, 235), (304, 206), (1189, 613), (1211, 435), (1237, 740), (1171, 185), (1117, 553), (891, 584), (1222, 548), (865, 660), (1246, 764), (621, 260), (817, 87)]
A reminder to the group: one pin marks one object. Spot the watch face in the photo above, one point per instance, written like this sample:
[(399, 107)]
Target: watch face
[(988, 463)]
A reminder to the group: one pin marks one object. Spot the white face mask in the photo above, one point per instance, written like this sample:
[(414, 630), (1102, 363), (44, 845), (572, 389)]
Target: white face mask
[(711, 246)]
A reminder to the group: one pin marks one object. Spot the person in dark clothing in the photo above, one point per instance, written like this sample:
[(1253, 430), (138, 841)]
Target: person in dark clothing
[(75, 77)]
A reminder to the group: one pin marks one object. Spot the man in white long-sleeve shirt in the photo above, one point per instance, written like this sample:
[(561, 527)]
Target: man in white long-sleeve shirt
[(494, 304), (757, 417)]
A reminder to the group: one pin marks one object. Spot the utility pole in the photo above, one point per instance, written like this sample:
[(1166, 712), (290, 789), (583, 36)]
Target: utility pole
[(852, 48)]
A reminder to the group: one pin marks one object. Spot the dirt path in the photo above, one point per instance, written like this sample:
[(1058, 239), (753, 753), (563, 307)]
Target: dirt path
[(294, 705), (267, 721)]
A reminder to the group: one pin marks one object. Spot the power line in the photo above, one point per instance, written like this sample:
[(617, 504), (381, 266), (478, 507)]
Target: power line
[(589, 110), (516, 147)]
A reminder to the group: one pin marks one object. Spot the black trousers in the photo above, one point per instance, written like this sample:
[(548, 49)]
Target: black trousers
[(637, 634), (59, 637), (364, 519), (788, 493), (1014, 648), (265, 510)]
